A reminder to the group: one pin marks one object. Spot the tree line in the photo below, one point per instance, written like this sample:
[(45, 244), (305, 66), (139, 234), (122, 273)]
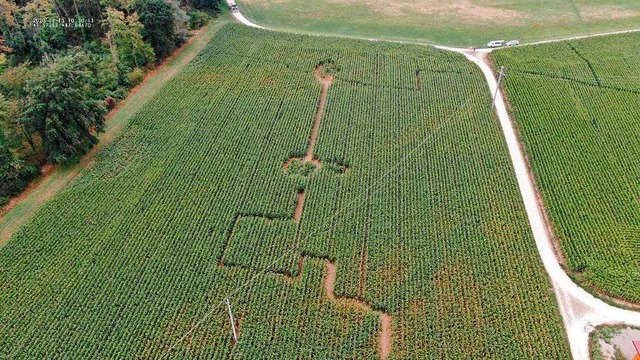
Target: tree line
[(65, 63)]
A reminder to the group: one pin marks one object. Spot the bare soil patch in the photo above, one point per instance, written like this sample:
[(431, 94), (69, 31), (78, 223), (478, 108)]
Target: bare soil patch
[(600, 13), (325, 79), (330, 281), (385, 335), (612, 339), (466, 10), (297, 213)]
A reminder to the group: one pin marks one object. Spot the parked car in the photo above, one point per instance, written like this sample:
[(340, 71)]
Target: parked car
[(495, 43), (513, 43)]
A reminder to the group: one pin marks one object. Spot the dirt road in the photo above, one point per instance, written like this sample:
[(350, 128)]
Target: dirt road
[(238, 16), (580, 310)]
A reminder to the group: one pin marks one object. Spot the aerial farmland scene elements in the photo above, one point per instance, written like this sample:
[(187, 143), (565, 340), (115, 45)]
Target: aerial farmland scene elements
[(320, 179)]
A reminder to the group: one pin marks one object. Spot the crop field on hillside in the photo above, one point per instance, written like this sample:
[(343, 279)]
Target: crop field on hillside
[(577, 107), (451, 22), (362, 192)]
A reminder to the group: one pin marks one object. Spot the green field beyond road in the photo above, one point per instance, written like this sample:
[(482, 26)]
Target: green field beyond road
[(577, 108), (453, 22)]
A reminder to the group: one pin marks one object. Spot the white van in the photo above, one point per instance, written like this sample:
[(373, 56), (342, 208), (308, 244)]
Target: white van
[(495, 43)]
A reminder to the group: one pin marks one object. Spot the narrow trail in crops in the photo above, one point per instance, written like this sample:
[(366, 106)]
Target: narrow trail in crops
[(325, 81), (54, 178), (385, 333), (385, 340), (384, 345), (297, 213)]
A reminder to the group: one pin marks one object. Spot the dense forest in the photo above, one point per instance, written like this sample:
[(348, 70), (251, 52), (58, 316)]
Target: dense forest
[(65, 63)]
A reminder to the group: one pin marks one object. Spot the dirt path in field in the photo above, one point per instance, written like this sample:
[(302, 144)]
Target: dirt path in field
[(55, 178), (385, 335), (325, 81), (385, 340), (238, 16), (297, 212), (384, 345)]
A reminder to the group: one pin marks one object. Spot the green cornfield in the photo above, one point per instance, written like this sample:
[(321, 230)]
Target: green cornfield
[(411, 197), (576, 105)]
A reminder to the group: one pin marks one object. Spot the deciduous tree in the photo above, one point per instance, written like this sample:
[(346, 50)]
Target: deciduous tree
[(64, 108), (14, 173), (159, 27), (125, 39)]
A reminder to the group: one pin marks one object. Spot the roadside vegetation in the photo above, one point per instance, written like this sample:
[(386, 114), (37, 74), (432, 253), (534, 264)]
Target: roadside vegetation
[(576, 105), (64, 64), (410, 206)]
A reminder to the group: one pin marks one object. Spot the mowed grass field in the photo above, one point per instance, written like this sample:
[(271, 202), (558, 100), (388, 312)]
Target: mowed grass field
[(453, 22), (577, 107), (412, 208)]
